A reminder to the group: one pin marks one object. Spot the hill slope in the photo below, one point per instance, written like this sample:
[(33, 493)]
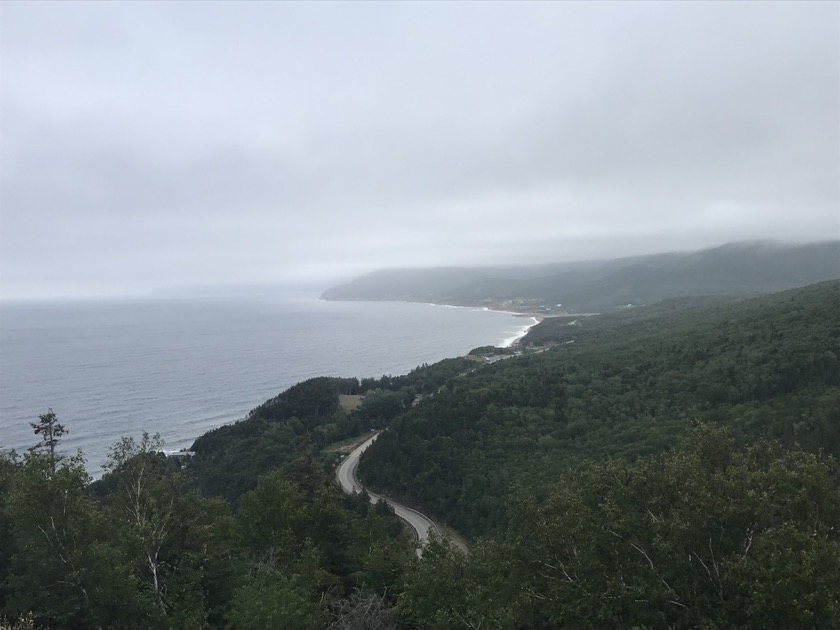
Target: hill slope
[(738, 268), (629, 385)]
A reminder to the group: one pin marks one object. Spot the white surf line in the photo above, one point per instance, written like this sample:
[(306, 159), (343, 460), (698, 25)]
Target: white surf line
[(510, 341)]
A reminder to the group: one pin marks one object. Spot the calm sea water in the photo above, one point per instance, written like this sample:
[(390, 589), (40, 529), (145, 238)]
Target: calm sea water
[(182, 367)]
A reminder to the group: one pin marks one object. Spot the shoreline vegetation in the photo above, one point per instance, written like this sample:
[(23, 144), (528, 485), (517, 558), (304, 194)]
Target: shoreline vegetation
[(572, 470)]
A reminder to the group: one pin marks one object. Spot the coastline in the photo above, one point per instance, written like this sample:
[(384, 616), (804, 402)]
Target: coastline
[(514, 341), (154, 370), (507, 342)]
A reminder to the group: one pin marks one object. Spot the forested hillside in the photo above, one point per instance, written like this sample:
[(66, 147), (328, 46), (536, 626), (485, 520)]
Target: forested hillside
[(620, 385), (671, 466), (144, 548), (229, 460), (707, 535), (733, 269)]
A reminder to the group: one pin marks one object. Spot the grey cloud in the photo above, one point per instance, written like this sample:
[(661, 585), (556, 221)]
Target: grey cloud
[(255, 141)]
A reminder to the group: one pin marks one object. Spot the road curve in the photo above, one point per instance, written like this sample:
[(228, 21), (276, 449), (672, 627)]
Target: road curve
[(346, 477)]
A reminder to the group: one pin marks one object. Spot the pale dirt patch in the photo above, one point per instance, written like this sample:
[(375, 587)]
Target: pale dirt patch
[(346, 446), (455, 539), (349, 402)]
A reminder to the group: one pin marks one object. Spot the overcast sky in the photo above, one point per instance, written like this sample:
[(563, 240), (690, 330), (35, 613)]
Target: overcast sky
[(155, 145)]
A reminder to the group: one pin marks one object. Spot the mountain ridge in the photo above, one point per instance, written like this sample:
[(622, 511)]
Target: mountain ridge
[(741, 268)]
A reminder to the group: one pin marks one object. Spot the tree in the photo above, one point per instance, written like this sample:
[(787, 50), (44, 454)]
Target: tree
[(138, 471), (705, 536), (50, 431), (64, 568), (175, 539), (450, 589), (9, 468), (283, 594), (362, 611)]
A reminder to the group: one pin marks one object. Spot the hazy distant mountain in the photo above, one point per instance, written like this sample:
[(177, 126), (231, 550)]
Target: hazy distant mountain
[(735, 268), (234, 290)]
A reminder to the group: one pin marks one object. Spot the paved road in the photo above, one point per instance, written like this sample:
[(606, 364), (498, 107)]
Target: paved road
[(346, 477)]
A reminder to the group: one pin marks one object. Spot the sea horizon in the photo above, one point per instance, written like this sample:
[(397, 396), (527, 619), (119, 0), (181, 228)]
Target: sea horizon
[(181, 366)]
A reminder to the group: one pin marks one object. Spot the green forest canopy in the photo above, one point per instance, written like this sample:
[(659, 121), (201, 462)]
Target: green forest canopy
[(672, 467), (629, 385)]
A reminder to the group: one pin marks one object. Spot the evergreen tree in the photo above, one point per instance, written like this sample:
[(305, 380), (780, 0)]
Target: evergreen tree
[(50, 430)]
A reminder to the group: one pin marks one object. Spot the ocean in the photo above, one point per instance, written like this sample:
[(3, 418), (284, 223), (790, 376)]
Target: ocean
[(180, 367)]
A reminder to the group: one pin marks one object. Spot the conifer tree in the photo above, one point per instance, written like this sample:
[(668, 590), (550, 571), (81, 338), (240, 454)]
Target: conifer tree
[(50, 431)]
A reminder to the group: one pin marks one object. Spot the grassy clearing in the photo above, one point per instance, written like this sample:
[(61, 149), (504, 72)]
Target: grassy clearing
[(345, 446), (349, 402)]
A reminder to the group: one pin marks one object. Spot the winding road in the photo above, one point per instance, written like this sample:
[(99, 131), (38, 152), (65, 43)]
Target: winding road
[(346, 477)]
